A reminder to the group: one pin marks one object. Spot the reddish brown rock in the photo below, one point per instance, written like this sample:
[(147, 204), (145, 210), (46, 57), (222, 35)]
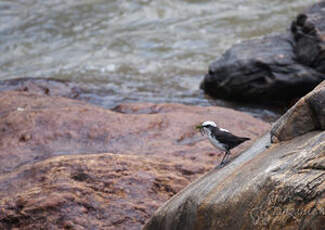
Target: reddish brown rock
[(98, 191), (154, 153), (34, 127)]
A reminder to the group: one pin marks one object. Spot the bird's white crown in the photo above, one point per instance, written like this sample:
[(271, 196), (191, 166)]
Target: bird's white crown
[(209, 123)]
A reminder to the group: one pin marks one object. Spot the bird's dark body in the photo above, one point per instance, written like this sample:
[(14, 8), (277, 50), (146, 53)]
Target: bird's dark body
[(220, 138), (227, 139)]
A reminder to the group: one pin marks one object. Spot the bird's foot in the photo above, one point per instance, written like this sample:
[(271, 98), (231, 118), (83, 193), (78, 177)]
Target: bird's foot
[(221, 165), (224, 160)]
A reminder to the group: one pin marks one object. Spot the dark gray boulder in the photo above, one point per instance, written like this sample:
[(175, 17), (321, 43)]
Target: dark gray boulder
[(274, 68)]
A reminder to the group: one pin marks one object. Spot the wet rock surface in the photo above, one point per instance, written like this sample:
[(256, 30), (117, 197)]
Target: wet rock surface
[(277, 185), (66, 164), (277, 68), (98, 96), (34, 127), (99, 191), (49, 87)]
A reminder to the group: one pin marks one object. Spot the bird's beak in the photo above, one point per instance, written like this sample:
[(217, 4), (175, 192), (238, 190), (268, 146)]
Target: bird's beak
[(200, 128)]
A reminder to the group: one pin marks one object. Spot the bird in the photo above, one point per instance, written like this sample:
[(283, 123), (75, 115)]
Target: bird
[(220, 138)]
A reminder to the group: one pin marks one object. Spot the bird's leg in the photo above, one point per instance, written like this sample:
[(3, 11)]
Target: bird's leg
[(222, 163)]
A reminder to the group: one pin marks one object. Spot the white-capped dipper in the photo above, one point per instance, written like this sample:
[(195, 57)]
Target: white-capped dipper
[(220, 138)]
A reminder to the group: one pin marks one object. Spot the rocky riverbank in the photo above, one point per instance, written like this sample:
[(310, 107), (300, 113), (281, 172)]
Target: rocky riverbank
[(69, 164)]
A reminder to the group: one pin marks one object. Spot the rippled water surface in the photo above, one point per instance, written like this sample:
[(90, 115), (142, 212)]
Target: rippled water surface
[(132, 50)]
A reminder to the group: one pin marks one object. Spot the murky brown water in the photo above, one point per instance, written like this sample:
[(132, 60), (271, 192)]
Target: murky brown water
[(132, 50)]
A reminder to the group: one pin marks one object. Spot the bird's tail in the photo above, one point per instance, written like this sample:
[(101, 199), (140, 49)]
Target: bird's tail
[(243, 139)]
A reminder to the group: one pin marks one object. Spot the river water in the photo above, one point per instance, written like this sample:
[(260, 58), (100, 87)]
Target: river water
[(132, 50)]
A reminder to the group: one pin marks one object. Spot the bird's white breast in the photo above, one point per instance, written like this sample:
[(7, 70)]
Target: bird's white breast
[(216, 143)]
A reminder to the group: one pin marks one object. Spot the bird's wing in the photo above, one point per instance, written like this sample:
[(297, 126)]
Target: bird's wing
[(227, 138)]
